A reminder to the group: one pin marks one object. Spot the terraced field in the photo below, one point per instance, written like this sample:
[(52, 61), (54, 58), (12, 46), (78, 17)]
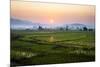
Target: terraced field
[(38, 47)]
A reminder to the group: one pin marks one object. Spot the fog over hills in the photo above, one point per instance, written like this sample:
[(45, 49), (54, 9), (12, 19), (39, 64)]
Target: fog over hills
[(25, 24), (22, 24)]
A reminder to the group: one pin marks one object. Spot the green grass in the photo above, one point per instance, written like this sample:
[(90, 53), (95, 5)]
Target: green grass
[(32, 48)]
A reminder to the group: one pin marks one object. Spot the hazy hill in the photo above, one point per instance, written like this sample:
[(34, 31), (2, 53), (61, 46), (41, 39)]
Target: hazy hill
[(24, 24)]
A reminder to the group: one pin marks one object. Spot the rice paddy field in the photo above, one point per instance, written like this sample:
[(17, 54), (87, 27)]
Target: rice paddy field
[(52, 47)]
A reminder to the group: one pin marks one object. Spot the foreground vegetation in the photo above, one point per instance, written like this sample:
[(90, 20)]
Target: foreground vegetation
[(38, 47)]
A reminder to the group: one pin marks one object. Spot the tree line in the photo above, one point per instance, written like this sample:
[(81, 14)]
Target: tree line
[(67, 28)]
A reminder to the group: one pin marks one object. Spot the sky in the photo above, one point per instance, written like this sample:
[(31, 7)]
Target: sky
[(53, 13)]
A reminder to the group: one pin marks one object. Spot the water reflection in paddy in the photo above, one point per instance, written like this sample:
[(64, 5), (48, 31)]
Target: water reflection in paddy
[(51, 39)]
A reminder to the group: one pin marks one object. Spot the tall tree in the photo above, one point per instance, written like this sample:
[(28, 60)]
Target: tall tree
[(40, 28), (66, 27), (85, 28)]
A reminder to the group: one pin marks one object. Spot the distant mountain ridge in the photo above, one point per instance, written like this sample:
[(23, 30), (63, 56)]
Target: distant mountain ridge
[(19, 22), (24, 24), (77, 24)]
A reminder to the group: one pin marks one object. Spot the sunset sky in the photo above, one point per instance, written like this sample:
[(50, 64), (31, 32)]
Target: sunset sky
[(52, 13)]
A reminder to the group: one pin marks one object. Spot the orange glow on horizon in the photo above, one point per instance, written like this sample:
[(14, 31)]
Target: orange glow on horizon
[(37, 12)]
